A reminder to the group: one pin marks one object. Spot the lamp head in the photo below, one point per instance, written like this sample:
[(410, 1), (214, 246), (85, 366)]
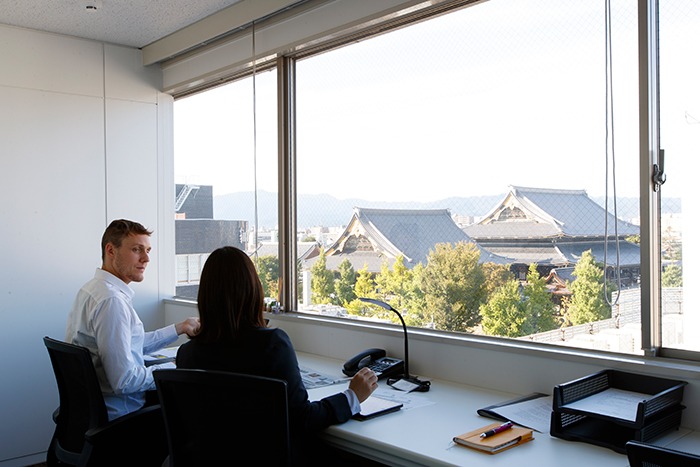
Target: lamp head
[(380, 303)]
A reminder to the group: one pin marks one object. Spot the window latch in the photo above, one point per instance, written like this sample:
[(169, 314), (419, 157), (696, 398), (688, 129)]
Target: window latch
[(658, 177)]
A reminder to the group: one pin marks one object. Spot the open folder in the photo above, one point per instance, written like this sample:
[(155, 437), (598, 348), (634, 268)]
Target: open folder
[(375, 406)]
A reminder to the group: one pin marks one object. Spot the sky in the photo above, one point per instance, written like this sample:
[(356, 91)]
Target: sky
[(494, 102)]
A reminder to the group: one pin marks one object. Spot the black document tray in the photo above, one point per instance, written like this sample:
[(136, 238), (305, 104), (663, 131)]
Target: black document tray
[(659, 413)]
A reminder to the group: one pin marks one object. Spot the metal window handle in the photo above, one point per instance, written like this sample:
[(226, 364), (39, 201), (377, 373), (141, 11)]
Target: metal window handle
[(659, 176)]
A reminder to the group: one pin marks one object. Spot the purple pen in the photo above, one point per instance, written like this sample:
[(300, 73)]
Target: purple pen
[(498, 429)]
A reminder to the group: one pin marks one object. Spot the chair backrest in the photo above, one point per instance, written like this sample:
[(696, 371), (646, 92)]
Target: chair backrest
[(81, 404), (642, 454), (212, 417)]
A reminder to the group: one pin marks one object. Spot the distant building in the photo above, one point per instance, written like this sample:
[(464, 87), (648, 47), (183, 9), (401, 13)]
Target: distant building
[(553, 228), (197, 234), (375, 236)]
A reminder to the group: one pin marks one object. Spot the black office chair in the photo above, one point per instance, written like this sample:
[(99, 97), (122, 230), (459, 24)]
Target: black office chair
[(642, 454), (216, 417), (84, 436)]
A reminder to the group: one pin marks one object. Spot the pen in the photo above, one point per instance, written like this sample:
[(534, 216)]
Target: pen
[(498, 429)]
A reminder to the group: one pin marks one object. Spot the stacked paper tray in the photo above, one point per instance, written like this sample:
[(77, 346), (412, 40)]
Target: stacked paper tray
[(611, 407)]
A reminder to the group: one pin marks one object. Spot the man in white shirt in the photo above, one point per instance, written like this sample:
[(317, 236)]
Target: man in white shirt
[(104, 321)]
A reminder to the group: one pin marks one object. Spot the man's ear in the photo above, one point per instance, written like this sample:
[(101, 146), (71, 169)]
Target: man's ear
[(109, 250)]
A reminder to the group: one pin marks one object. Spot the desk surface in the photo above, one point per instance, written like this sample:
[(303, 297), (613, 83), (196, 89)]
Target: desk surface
[(422, 433)]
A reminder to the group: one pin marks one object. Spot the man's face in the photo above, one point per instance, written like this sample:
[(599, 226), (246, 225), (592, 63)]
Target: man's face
[(128, 262)]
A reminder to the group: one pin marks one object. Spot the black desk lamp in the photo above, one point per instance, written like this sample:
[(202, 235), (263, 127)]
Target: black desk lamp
[(423, 386)]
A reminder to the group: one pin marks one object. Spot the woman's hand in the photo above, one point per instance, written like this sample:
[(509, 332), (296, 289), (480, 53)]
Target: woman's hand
[(363, 383)]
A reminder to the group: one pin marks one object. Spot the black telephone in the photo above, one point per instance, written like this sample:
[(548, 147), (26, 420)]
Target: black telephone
[(376, 360)]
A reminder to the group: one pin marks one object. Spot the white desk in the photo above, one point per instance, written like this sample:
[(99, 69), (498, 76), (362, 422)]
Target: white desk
[(423, 435)]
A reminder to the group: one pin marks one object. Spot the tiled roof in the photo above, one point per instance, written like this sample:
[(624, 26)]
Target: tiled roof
[(629, 252), (412, 233), (529, 254), (548, 213)]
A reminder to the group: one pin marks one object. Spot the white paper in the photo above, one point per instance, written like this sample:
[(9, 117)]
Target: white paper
[(166, 354), (535, 414), (611, 402)]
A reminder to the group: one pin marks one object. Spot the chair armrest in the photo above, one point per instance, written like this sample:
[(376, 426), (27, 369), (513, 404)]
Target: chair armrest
[(142, 431)]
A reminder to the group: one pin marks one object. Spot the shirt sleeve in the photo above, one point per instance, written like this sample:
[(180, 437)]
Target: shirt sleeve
[(353, 401), (156, 340)]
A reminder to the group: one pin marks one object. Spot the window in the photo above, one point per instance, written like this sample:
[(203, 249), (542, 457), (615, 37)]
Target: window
[(679, 137), (225, 177), (485, 126), (478, 169)]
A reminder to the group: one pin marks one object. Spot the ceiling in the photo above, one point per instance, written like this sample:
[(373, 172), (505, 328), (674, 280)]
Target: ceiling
[(134, 23)]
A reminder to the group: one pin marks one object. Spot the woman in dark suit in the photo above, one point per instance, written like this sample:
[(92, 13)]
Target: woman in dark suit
[(233, 337)]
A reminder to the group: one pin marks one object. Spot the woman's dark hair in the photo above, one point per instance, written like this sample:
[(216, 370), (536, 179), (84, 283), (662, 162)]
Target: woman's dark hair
[(230, 297)]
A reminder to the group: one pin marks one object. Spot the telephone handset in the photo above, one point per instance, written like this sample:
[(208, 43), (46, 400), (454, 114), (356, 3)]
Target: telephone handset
[(376, 360)]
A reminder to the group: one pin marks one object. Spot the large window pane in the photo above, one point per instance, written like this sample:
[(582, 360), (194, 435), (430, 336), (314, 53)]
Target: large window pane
[(679, 47), (226, 176), (459, 169)]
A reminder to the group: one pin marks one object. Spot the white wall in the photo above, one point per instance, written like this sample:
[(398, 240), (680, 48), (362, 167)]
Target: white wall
[(85, 137)]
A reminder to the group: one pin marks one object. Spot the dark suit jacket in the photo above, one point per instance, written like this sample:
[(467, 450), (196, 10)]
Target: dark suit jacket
[(269, 352)]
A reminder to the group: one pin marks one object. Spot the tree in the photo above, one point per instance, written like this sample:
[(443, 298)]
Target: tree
[(672, 276), (538, 303), (504, 314), (395, 285), (321, 280), (269, 271), (345, 283), (364, 287), (453, 284), (588, 303), (496, 275), (514, 311)]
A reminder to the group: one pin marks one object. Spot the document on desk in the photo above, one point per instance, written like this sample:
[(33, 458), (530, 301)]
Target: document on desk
[(612, 402), (315, 379), (534, 413), (165, 355)]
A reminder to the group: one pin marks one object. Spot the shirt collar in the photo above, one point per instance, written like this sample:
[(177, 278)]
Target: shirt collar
[(115, 281)]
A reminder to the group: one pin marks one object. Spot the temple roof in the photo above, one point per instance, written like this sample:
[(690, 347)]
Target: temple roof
[(548, 213), (374, 236), (552, 226)]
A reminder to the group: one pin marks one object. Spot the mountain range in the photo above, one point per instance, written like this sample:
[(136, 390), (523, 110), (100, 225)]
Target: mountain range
[(325, 210)]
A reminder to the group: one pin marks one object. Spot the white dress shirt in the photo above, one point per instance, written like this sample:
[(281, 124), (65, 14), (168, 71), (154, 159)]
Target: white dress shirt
[(104, 320)]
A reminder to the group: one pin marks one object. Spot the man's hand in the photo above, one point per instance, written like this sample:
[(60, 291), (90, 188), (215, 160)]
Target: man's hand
[(190, 326)]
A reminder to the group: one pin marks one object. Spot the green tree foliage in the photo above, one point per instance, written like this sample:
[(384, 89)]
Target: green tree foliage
[(269, 271), (588, 303), (454, 287), (345, 284), (504, 314), (395, 285), (496, 275), (418, 313), (672, 276), (321, 280), (364, 287), (538, 303), (513, 311)]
